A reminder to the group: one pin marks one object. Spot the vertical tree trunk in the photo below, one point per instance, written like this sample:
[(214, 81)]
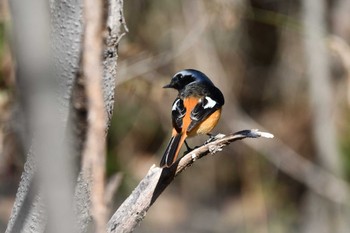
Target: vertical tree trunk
[(48, 51)]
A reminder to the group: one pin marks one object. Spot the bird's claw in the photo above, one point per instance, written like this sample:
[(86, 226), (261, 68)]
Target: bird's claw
[(213, 138)]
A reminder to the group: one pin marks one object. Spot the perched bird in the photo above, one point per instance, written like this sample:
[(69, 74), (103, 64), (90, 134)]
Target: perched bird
[(196, 110)]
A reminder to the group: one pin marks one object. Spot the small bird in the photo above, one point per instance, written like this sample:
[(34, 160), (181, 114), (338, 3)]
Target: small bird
[(196, 110)]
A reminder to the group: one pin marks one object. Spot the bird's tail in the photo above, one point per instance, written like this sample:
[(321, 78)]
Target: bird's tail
[(172, 150)]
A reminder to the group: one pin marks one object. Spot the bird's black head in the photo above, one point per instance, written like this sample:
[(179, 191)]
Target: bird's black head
[(185, 77)]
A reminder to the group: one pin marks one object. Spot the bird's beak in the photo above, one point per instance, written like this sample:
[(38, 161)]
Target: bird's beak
[(168, 86)]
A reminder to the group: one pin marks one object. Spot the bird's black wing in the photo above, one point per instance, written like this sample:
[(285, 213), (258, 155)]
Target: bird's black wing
[(205, 107), (178, 112)]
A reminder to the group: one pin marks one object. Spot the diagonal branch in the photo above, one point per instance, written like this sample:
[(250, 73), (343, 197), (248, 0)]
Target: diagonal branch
[(135, 207)]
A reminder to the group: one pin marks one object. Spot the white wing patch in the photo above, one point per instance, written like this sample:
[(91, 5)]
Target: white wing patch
[(175, 105), (211, 103)]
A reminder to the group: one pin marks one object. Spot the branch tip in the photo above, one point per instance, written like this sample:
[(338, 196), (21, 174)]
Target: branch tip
[(254, 133), (265, 134)]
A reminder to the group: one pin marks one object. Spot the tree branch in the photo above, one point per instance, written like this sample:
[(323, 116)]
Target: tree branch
[(115, 25), (135, 207), (66, 29), (94, 154)]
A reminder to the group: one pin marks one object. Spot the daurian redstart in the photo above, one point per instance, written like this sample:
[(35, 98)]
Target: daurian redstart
[(196, 110)]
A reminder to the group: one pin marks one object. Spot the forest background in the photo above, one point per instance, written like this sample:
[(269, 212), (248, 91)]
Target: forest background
[(283, 66)]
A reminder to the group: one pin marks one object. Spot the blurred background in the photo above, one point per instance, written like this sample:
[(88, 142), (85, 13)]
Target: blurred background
[(283, 66)]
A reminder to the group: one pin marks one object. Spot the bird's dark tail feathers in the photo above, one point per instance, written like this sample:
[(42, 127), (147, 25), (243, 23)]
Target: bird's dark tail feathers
[(172, 150)]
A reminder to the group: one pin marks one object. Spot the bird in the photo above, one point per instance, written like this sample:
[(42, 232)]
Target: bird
[(196, 110)]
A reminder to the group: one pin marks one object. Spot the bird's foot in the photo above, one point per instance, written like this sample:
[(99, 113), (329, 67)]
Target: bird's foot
[(213, 138), (189, 149)]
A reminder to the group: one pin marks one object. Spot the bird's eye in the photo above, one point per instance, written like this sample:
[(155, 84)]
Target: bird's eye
[(179, 76)]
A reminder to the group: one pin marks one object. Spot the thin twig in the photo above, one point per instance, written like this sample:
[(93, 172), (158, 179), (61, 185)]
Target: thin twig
[(135, 207), (94, 151), (112, 187)]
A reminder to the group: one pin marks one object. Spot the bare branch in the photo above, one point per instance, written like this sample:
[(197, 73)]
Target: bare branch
[(112, 187), (115, 24), (66, 29), (94, 152), (114, 33), (135, 207)]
